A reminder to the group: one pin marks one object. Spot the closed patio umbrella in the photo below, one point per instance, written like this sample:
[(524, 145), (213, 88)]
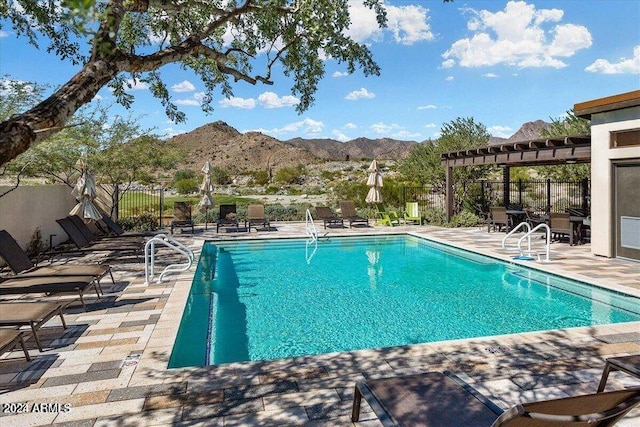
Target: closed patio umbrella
[(206, 201), (375, 182), (85, 193)]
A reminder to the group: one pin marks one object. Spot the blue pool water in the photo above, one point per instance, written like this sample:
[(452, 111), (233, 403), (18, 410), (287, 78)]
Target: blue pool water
[(260, 300)]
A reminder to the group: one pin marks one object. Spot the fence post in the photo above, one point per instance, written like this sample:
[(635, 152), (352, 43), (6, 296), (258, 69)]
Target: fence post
[(506, 190), (548, 195), (116, 198), (161, 198), (404, 195), (585, 194)]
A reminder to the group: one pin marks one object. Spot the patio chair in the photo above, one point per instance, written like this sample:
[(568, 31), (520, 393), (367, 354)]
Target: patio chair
[(443, 400), (329, 218), (21, 265), (182, 216), (485, 216), (54, 284), (348, 211), (534, 219), (33, 314), (92, 235), (83, 245), (389, 218), (255, 216), (560, 225), (112, 227), (498, 218), (412, 213), (228, 217), (9, 339)]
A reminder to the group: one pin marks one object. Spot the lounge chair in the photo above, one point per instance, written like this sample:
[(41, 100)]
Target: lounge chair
[(255, 216), (182, 216), (412, 213), (33, 314), (534, 219), (348, 211), (498, 218), (92, 234), (9, 339), (443, 399), (60, 284), (84, 245), (228, 216), (21, 265), (386, 217), (560, 225), (329, 219), (112, 227)]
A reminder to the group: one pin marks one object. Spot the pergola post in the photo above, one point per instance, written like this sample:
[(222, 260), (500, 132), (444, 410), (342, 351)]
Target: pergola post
[(449, 191)]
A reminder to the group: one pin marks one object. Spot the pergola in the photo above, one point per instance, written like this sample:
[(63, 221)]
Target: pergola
[(536, 152)]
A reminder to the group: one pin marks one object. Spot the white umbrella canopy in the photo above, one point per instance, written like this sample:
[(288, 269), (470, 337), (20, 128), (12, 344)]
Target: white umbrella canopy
[(375, 182), (206, 188), (85, 193)]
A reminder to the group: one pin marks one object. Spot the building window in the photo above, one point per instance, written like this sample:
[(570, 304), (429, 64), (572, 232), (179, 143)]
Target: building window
[(625, 138)]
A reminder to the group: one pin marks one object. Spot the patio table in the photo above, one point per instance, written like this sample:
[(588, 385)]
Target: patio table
[(628, 364), (516, 216)]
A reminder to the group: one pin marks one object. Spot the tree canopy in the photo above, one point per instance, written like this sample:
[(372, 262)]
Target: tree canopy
[(221, 41)]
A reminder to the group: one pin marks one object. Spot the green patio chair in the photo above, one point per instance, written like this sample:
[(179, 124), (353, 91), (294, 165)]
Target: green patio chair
[(412, 213), (386, 217)]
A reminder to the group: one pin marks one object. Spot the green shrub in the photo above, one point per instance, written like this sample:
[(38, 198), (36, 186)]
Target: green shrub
[(220, 176), (260, 177), (271, 190), (183, 174), (36, 246), (186, 186), (435, 216), (290, 175), (144, 222), (463, 219)]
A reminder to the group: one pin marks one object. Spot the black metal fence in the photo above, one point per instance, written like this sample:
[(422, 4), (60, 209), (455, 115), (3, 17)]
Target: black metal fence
[(537, 195), (139, 200)]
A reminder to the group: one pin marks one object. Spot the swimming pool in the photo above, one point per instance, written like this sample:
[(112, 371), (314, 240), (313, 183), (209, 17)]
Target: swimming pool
[(261, 300)]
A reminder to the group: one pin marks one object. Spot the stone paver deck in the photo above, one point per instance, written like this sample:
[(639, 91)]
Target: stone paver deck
[(109, 368)]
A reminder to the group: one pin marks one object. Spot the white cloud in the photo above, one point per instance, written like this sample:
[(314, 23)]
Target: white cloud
[(133, 84), (449, 78), (407, 24), (362, 93), (517, 36), (490, 75), (430, 125), (382, 128), (500, 131), (350, 126), (308, 127), (624, 66), (185, 86), (339, 74), (272, 100), (427, 107), (237, 102), (194, 101), (3, 34), (171, 132), (403, 134), (340, 136)]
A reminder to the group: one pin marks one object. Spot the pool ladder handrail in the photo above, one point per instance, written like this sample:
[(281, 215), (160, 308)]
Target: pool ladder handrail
[(516, 228), (310, 227), (150, 257), (528, 236)]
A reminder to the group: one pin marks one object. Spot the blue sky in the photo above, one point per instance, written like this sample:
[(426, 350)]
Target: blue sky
[(502, 63)]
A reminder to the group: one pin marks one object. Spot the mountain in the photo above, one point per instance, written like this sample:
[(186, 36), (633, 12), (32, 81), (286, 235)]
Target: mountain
[(237, 152), (356, 149)]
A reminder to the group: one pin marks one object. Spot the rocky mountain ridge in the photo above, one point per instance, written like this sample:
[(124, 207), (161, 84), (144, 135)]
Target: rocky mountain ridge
[(225, 147)]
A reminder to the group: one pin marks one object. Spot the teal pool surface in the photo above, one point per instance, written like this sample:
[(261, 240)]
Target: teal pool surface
[(261, 300)]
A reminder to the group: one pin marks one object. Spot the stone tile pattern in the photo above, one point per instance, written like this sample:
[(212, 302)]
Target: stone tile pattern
[(109, 366)]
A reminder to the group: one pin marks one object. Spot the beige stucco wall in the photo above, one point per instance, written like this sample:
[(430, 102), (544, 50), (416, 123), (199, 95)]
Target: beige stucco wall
[(28, 207), (602, 157)]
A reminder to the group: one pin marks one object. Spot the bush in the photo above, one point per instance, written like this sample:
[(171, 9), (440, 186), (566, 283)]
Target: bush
[(260, 177), (36, 246), (290, 175), (186, 186), (183, 174), (435, 216), (463, 219), (220, 176), (144, 222)]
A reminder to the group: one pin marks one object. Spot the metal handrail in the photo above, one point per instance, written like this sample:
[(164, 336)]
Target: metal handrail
[(150, 257), (310, 227), (528, 235), (516, 228)]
